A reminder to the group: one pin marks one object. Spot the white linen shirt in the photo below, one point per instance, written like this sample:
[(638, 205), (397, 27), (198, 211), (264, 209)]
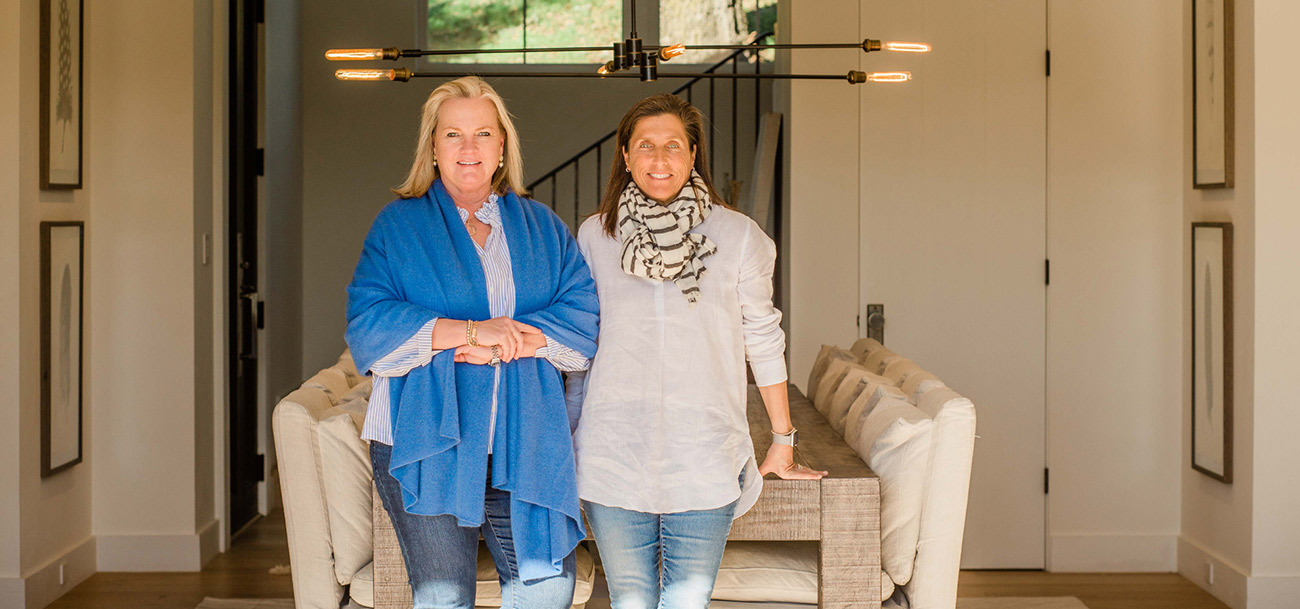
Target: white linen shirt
[(662, 427)]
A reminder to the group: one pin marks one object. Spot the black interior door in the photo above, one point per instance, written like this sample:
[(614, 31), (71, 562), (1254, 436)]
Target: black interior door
[(246, 464)]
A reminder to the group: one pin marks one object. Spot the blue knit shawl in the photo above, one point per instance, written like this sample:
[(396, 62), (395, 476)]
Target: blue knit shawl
[(418, 263)]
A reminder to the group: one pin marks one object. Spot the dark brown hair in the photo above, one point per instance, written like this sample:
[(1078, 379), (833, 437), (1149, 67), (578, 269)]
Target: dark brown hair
[(655, 105)]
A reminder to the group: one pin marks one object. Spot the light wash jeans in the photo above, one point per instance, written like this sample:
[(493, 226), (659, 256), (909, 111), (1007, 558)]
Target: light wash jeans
[(442, 557), (660, 561)]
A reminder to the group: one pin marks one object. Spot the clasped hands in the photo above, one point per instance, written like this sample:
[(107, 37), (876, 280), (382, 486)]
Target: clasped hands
[(513, 340)]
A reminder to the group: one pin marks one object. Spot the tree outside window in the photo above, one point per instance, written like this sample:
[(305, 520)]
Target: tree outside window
[(512, 24)]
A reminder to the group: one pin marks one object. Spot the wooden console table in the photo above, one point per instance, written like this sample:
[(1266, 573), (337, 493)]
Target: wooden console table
[(841, 512)]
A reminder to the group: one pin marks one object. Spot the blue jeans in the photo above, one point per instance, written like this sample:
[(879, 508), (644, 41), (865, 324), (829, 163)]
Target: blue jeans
[(442, 557), (667, 561)]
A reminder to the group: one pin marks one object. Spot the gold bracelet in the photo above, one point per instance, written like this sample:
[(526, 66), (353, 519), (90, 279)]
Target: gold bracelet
[(471, 333)]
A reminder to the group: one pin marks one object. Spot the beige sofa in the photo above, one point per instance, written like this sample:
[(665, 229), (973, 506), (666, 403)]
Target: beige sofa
[(326, 484), (918, 435), (321, 459)]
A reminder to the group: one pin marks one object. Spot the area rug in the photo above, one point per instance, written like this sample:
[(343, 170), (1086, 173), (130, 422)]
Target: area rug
[(246, 603), (991, 602), (1020, 602)]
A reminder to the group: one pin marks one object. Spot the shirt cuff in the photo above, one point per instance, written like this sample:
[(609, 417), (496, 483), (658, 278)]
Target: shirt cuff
[(769, 372), (563, 358)]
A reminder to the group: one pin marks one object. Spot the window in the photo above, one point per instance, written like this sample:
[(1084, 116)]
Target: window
[(715, 22), (527, 24)]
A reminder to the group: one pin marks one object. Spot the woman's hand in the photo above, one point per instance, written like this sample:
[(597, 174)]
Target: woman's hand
[(780, 461), (480, 355), (506, 333)]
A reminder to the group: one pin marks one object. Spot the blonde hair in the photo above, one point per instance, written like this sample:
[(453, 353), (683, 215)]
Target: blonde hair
[(424, 170)]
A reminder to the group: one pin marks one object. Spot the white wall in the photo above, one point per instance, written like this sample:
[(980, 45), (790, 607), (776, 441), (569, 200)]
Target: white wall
[(1216, 517), (821, 144), (149, 153), (1114, 238), (1275, 561), (282, 219), (11, 28), (54, 515)]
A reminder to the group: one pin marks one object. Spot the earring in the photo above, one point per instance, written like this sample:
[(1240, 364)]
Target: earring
[(435, 162), (627, 169), (502, 162)]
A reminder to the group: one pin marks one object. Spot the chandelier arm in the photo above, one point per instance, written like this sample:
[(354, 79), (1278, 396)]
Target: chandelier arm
[(714, 75)]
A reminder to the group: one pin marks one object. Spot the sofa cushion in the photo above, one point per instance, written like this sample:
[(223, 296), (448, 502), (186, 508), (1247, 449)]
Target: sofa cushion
[(895, 441), (772, 572), (863, 347), (910, 384), (363, 586), (349, 368), (899, 369), (823, 361), (943, 515), (922, 388), (306, 518), (332, 381), (345, 459), (862, 407), (487, 588), (856, 382), (880, 359), (360, 390), (830, 382)]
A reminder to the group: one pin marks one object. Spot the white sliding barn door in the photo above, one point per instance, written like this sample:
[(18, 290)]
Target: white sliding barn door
[(953, 237)]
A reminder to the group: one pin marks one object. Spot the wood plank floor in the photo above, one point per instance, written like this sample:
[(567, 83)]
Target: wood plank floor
[(243, 572)]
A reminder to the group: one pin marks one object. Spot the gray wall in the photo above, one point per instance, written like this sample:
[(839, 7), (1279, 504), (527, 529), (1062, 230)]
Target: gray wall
[(358, 140)]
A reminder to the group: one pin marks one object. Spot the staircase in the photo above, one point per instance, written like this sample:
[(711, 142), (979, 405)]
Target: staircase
[(732, 110)]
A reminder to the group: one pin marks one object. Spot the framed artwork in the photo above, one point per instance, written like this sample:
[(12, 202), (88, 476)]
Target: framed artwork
[(61, 94), (1212, 93), (1212, 349), (62, 280)]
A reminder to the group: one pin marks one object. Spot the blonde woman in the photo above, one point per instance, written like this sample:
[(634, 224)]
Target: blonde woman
[(467, 302), (665, 461)]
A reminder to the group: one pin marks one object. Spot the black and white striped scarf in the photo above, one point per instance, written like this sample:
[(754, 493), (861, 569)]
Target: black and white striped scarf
[(657, 242)]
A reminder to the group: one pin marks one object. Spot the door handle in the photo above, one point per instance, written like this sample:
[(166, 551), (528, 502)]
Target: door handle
[(876, 322), (255, 308)]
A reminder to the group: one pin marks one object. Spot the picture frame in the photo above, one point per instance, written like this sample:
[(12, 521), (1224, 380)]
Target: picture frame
[(1212, 348), (61, 94), (62, 282), (1212, 93)]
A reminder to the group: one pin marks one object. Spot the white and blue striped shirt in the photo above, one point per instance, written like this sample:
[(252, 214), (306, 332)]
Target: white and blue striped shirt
[(418, 350)]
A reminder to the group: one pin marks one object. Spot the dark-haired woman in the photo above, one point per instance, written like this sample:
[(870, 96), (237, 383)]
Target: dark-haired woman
[(664, 457)]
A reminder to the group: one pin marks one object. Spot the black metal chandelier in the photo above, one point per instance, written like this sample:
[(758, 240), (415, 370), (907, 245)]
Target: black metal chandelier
[(631, 59)]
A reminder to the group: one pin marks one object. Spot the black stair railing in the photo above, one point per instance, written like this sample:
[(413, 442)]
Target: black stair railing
[(729, 182)]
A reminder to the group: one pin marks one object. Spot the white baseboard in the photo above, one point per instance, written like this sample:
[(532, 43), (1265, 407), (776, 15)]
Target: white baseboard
[(1230, 581), (1273, 592), (41, 586), (12, 592), (209, 542), (164, 553), (1112, 553)]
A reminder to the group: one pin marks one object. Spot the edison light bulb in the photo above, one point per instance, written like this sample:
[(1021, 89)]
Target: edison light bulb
[(907, 47), (889, 76), (670, 52), (364, 74), (353, 54)]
